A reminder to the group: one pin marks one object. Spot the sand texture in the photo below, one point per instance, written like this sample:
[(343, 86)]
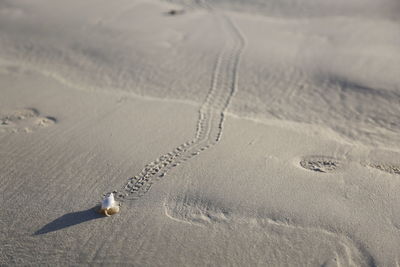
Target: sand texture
[(231, 132)]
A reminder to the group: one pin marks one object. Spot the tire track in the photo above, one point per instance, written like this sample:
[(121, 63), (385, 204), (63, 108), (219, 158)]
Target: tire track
[(211, 113)]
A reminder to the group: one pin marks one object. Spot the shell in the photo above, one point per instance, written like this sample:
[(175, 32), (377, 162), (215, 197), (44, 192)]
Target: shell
[(109, 206)]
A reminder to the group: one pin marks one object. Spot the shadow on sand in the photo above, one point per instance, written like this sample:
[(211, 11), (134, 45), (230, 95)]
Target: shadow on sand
[(69, 219)]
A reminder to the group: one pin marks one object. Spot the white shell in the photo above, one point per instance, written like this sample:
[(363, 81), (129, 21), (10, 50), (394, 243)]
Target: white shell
[(109, 206), (108, 202)]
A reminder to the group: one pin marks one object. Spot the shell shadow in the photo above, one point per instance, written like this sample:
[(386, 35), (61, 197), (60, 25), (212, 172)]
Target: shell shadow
[(68, 220)]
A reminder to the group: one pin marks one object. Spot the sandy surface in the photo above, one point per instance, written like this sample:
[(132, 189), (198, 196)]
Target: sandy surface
[(235, 134)]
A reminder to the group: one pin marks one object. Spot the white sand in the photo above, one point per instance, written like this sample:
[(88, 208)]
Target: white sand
[(242, 133)]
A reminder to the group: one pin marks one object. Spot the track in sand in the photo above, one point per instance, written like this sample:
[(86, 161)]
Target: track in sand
[(211, 113)]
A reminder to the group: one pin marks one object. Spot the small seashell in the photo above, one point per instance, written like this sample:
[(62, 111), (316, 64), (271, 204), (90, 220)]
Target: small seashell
[(109, 206)]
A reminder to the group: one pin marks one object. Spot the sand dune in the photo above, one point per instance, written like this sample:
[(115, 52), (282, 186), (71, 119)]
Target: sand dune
[(234, 133)]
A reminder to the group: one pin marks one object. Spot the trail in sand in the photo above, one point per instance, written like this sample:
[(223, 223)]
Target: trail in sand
[(211, 113)]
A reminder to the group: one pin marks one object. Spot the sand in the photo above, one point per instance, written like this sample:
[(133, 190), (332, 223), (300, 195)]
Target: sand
[(233, 133)]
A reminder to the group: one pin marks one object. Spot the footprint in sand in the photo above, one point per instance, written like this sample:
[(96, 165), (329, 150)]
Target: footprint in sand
[(320, 164), (308, 246), (23, 120)]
